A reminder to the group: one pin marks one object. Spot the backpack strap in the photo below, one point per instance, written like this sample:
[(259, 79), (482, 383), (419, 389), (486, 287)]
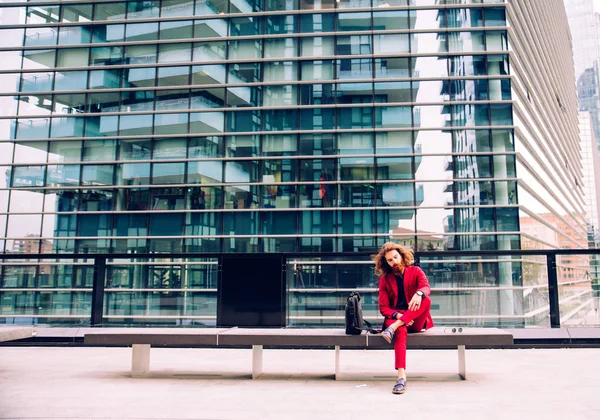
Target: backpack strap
[(370, 328)]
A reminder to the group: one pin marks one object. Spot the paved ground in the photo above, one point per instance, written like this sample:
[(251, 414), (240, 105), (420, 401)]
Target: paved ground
[(77, 383)]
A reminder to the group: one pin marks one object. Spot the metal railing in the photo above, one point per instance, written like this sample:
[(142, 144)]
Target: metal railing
[(458, 278)]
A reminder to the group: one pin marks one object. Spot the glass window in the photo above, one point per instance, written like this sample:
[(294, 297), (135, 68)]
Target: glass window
[(394, 168), (99, 150), (71, 57), (359, 21), (495, 16), (240, 223), (434, 42), (501, 114), (133, 174), (282, 24), (394, 116), (392, 67), (170, 8), (142, 9), (317, 119), (135, 125), (466, 41), (356, 168), (109, 11), (63, 175), (136, 101), (109, 33), (67, 127), (209, 147), (389, 92), (496, 40), (105, 79), (434, 168), (252, 49), (147, 31), (168, 173), (30, 152), (167, 198), (133, 199), (317, 22), (173, 53), (168, 224), (20, 226), (137, 149), (317, 94), (398, 19), (39, 36), (280, 71), (76, 12), (242, 171), (209, 51), (431, 67), (61, 200), (203, 198), (205, 172), (355, 143), (242, 146), (468, 65), (171, 123), (280, 120), (279, 223), (428, 18), (106, 56), (469, 90), (25, 202), (130, 225), (140, 54), (356, 222), (97, 200), (396, 194), (395, 142), (176, 29), (97, 175), (317, 46), (71, 80), (64, 151), (317, 144)]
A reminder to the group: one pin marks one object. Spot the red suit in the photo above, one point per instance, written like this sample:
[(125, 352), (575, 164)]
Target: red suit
[(414, 279)]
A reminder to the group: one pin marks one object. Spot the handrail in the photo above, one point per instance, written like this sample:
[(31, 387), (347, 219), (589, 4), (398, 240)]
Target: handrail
[(102, 262)]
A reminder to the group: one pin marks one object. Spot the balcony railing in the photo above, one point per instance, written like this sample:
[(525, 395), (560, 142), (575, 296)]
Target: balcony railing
[(513, 289)]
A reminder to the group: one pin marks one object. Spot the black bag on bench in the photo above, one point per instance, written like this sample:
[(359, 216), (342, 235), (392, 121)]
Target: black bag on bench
[(354, 318)]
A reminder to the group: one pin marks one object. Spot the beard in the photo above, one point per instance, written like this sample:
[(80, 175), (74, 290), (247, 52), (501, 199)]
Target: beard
[(398, 269)]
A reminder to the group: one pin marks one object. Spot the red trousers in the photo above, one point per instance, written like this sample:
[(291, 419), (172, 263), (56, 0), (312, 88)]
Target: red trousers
[(419, 317)]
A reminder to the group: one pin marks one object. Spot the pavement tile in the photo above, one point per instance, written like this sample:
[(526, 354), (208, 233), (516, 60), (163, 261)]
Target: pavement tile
[(94, 383)]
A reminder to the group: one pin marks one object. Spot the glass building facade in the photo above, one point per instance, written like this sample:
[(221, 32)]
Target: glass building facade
[(281, 126)]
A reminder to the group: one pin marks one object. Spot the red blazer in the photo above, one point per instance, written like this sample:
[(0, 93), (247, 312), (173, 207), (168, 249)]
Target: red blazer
[(414, 279)]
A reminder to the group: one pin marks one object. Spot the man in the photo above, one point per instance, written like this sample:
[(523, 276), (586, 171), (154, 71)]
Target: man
[(403, 301)]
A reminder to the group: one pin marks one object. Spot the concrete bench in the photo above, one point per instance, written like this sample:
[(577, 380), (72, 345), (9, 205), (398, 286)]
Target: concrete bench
[(16, 333), (141, 340)]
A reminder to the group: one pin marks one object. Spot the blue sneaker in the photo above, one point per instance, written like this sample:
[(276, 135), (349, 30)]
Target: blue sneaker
[(400, 386)]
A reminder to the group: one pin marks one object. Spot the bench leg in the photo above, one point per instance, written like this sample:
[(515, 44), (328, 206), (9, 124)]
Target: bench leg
[(257, 361), (462, 363), (337, 363), (140, 362)]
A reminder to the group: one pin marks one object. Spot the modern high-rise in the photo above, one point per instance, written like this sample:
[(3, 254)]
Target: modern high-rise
[(287, 126)]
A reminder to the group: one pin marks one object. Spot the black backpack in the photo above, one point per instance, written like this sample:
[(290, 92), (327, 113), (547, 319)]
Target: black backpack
[(354, 319)]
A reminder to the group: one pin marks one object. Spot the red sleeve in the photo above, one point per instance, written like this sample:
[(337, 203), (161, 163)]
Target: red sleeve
[(422, 282), (384, 299)]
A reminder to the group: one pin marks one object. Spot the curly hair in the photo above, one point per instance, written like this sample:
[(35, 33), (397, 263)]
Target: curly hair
[(381, 265)]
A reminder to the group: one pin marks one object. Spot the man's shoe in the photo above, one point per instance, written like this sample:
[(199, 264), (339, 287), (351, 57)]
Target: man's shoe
[(388, 334), (400, 386)]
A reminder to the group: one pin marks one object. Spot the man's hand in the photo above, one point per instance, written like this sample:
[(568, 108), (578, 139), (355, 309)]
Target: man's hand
[(415, 302)]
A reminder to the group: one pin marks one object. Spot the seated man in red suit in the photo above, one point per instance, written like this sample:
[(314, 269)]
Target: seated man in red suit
[(403, 301)]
